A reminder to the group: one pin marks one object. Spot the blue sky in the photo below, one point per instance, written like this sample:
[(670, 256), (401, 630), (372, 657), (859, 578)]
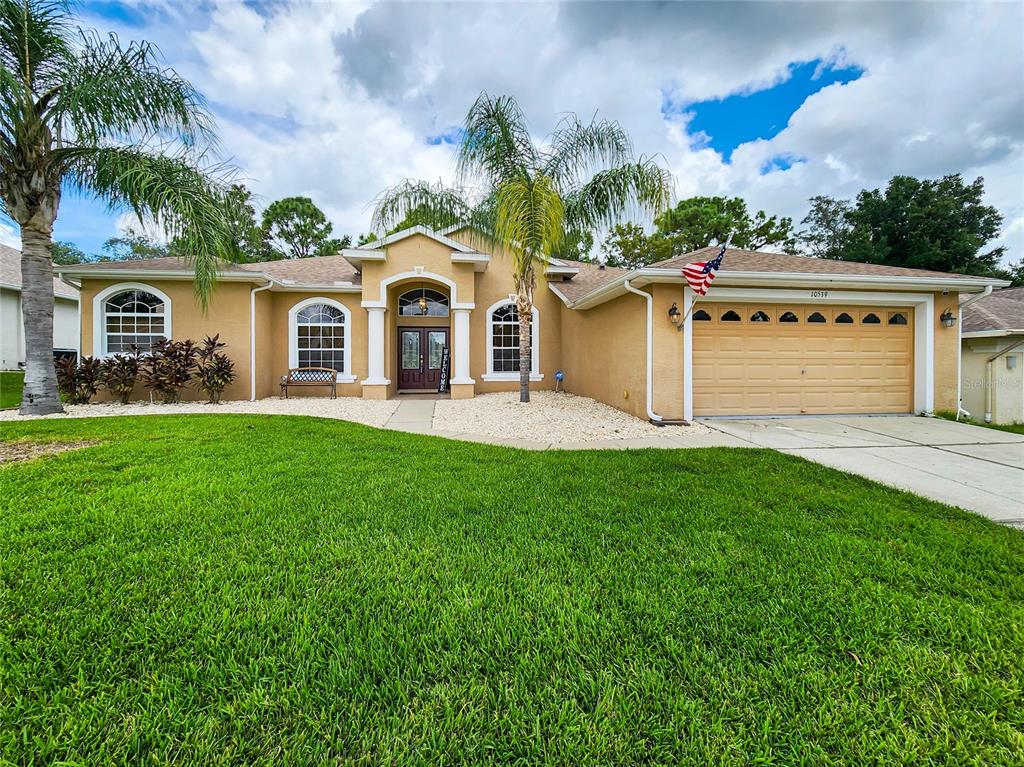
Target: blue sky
[(338, 101)]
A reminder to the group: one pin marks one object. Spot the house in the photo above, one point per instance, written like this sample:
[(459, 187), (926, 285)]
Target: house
[(12, 326), (992, 367), (778, 334)]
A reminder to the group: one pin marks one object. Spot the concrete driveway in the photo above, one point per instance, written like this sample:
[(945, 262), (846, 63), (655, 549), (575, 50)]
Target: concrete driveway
[(968, 466)]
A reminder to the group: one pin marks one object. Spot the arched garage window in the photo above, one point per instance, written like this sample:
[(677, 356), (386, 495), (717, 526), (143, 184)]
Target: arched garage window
[(320, 336), (503, 343), (130, 316)]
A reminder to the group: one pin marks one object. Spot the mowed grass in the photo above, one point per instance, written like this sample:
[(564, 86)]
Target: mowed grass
[(269, 590), (11, 382)]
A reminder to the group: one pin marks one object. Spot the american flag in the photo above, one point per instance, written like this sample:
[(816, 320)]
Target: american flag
[(700, 274)]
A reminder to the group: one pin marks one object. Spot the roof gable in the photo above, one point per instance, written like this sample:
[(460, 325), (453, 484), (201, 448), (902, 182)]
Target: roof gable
[(10, 274)]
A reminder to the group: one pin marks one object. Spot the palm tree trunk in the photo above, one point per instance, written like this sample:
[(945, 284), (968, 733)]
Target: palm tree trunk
[(39, 396), (524, 307)]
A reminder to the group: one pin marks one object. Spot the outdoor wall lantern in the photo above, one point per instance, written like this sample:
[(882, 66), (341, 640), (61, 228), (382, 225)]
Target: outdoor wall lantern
[(947, 318), (674, 316), (422, 303)]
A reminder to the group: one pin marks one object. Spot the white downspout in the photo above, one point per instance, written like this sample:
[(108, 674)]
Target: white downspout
[(960, 350), (252, 336), (650, 350)]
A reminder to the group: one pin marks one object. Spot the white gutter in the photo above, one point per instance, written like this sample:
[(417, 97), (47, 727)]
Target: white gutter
[(655, 418), (252, 336)]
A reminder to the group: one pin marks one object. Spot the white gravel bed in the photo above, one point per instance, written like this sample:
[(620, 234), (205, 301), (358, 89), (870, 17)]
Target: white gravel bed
[(369, 412), (549, 417)]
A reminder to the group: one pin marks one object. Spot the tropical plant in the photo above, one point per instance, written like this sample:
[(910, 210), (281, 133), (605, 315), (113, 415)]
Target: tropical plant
[(168, 368), (525, 197), (214, 370), (119, 373), (296, 228), (78, 380), (83, 112)]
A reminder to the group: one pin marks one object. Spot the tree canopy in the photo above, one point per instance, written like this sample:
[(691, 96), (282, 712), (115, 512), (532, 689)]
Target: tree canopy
[(296, 228), (940, 225), (698, 222)]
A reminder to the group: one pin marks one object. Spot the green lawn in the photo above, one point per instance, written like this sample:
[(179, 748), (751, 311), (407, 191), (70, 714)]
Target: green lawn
[(1015, 428), (10, 388), (269, 590)]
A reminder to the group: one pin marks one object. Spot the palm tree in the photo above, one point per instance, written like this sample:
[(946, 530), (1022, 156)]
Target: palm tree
[(529, 198), (82, 112)]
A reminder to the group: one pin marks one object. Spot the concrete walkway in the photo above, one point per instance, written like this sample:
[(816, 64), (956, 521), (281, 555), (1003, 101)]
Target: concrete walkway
[(972, 467), (968, 466)]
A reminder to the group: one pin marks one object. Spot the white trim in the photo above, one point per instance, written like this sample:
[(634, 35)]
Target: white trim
[(688, 299), (924, 323), (453, 289), (252, 339), (162, 274), (99, 338), (426, 231), (293, 329), (375, 338), (490, 374), (460, 344), (992, 333)]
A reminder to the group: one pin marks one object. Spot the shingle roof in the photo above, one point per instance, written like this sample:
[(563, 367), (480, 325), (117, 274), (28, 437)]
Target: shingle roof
[(1003, 310), (590, 277), (756, 261), (322, 270), (10, 273)]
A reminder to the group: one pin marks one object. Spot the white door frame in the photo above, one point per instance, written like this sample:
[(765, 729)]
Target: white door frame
[(924, 328)]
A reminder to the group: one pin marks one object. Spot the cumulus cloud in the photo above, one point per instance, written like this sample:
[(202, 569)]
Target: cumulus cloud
[(338, 101)]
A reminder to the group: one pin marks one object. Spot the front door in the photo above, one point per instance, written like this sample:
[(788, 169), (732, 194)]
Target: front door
[(420, 353)]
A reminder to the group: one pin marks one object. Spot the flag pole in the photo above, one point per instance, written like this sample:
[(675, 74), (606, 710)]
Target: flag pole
[(693, 303)]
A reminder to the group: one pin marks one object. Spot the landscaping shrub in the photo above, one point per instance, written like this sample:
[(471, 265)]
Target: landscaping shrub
[(214, 370), (168, 367), (120, 372), (78, 380)]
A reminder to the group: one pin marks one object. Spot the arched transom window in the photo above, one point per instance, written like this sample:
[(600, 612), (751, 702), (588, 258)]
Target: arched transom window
[(133, 318), (503, 343), (423, 302), (321, 336)]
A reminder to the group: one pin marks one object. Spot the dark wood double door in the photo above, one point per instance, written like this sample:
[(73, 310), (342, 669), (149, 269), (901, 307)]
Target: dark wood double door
[(420, 356)]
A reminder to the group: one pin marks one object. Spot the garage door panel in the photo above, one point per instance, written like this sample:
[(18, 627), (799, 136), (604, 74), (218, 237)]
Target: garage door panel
[(778, 368)]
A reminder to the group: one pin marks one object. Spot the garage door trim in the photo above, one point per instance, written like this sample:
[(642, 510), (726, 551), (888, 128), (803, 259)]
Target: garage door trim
[(924, 328)]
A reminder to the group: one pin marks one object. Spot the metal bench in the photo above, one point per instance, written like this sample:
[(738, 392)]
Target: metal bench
[(310, 377)]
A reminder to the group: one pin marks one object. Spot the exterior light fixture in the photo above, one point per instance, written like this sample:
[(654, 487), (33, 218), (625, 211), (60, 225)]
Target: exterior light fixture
[(673, 315), (947, 318), (422, 303)]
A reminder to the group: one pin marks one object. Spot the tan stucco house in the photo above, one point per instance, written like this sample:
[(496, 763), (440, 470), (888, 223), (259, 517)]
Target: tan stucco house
[(993, 357), (777, 334)]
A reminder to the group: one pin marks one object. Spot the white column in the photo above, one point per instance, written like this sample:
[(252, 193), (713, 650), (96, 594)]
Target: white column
[(375, 351), (688, 296), (461, 348)]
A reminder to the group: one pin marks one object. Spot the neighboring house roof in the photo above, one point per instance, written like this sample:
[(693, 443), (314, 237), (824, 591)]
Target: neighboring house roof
[(1001, 313), (10, 275)]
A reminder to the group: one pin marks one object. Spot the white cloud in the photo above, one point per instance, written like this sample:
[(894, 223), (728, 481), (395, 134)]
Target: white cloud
[(335, 101)]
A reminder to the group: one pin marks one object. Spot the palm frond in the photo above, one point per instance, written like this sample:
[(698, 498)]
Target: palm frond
[(529, 216), (123, 93), (186, 201), (577, 150), (496, 143), (439, 206), (634, 189), (35, 40)]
